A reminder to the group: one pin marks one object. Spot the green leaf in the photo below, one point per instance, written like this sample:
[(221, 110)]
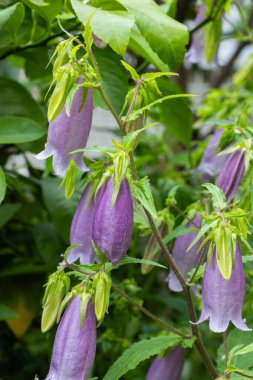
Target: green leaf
[(7, 211), (139, 352), (15, 100), (2, 185), (7, 313), (61, 211), (141, 47), (245, 350), (47, 9), (125, 260), (113, 27), (134, 75), (134, 115), (14, 130), (113, 77), (204, 228), (166, 37), (174, 113), (129, 140), (218, 197), (212, 38), (141, 191), (10, 20)]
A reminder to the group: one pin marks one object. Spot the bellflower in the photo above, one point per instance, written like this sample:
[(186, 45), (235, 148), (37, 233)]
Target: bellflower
[(211, 164), (222, 299), (81, 231), (169, 367), (69, 133), (74, 346), (113, 225), (185, 260), (197, 44), (231, 174)]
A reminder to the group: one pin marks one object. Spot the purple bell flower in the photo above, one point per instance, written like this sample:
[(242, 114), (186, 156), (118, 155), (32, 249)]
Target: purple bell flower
[(69, 133), (231, 174), (81, 231), (169, 367), (197, 44), (74, 346), (222, 299), (112, 226), (211, 164), (185, 261)]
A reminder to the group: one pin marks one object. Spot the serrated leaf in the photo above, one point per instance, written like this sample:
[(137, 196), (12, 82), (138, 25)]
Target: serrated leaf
[(218, 197), (135, 114), (134, 75), (138, 352), (125, 260), (129, 140), (141, 191)]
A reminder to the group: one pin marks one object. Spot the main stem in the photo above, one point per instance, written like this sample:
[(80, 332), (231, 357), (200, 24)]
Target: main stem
[(165, 251)]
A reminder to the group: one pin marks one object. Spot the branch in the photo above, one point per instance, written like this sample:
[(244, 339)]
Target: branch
[(149, 314), (165, 251), (44, 42)]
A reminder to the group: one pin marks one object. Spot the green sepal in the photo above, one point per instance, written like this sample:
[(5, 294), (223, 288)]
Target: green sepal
[(99, 253), (218, 197), (56, 288), (102, 284), (69, 180)]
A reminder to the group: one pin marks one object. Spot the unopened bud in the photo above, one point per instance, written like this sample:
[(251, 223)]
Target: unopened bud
[(103, 285), (57, 286)]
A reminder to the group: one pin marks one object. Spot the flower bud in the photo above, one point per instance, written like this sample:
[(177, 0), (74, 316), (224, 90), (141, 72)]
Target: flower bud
[(57, 286), (231, 174), (69, 133), (102, 283), (169, 367), (113, 225), (185, 260), (222, 299), (75, 344), (81, 231)]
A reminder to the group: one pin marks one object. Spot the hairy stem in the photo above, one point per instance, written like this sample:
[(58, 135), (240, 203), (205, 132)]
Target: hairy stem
[(165, 251)]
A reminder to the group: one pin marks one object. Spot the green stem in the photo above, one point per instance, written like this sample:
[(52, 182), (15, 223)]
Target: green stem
[(165, 251), (149, 314)]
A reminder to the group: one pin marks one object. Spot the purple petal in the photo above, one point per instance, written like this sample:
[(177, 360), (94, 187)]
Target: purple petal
[(169, 367), (74, 347), (211, 164), (222, 299), (81, 231), (185, 261), (112, 226), (69, 133), (231, 174)]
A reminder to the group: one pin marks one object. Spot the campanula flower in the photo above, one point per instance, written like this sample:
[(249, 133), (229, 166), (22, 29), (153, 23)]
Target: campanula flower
[(75, 345), (169, 367), (69, 133), (113, 225), (222, 299)]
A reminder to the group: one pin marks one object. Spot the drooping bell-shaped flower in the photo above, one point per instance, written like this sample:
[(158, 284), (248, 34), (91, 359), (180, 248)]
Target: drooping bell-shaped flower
[(222, 299), (113, 225), (69, 133), (81, 231), (231, 174), (169, 367), (185, 260), (75, 345), (211, 164), (197, 44)]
